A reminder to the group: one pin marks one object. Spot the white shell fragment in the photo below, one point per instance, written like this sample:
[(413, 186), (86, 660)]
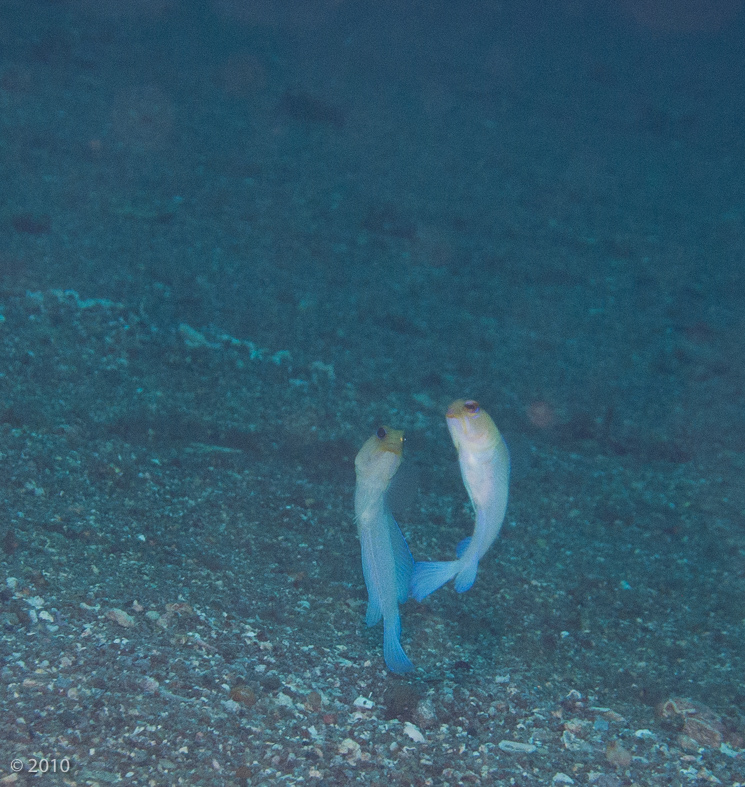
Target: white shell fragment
[(413, 732), (515, 747), (363, 702)]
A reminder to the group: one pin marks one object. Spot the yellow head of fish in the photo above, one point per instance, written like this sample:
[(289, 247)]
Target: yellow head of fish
[(471, 427), (380, 456)]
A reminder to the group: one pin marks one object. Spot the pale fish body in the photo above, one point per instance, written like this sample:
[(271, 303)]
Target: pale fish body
[(485, 466), (387, 564)]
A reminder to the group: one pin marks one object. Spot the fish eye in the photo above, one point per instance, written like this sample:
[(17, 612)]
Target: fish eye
[(381, 433), (471, 406)]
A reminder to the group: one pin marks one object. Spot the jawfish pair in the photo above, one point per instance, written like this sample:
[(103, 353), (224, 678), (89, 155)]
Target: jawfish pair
[(390, 573)]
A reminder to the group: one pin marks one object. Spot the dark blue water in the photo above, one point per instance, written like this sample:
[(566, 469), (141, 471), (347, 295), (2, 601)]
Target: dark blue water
[(236, 237)]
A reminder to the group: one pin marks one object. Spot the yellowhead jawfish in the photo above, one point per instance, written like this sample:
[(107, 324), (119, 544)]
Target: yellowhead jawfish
[(387, 564), (485, 466)]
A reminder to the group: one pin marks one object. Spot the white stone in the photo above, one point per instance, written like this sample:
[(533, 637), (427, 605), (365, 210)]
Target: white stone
[(413, 732), (515, 747)]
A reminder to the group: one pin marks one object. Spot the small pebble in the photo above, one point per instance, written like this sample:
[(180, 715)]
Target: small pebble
[(515, 747)]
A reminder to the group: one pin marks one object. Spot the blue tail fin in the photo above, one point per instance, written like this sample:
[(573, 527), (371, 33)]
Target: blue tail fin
[(466, 576), (395, 658), (430, 576)]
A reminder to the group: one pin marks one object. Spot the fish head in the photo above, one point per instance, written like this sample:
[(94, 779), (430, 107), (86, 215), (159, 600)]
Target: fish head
[(381, 454), (471, 427)]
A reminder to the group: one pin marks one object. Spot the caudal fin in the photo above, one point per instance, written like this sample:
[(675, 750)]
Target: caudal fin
[(395, 658), (466, 576), (430, 576)]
